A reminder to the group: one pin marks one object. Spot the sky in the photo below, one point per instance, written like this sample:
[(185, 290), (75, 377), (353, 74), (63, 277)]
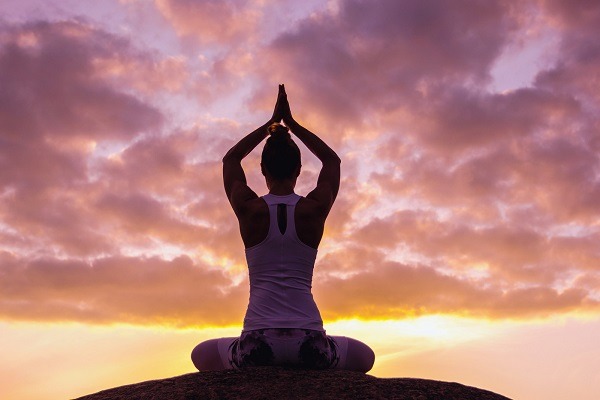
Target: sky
[(463, 245)]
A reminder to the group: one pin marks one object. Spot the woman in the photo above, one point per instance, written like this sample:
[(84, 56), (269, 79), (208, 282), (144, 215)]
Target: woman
[(281, 232)]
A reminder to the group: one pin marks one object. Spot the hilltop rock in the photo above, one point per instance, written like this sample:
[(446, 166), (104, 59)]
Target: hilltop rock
[(282, 383)]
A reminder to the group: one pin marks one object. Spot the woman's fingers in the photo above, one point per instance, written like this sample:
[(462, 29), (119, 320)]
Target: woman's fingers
[(277, 112), (282, 107)]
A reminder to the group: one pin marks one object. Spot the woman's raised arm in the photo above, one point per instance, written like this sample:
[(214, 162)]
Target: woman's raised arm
[(234, 179), (328, 183)]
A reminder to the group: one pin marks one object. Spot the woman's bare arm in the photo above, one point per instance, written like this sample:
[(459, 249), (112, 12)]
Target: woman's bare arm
[(330, 171), (234, 179), (328, 183)]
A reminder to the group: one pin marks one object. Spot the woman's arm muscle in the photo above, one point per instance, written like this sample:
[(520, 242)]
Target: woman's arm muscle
[(234, 179)]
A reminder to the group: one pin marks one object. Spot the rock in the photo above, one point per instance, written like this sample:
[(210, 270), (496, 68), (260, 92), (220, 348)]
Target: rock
[(282, 383)]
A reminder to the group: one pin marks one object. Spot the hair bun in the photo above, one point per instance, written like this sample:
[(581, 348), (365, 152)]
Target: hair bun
[(278, 132), (281, 156)]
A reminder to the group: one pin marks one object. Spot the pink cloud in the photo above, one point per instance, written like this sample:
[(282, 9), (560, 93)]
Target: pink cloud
[(211, 20), (55, 107), (366, 59), (576, 69), (462, 118), (494, 194)]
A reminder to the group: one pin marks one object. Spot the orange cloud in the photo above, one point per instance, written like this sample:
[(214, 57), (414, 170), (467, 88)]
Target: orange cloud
[(390, 290), (120, 289)]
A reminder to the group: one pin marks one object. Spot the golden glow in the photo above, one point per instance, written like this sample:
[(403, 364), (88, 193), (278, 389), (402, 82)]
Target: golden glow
[(428, 331), (92, 358)]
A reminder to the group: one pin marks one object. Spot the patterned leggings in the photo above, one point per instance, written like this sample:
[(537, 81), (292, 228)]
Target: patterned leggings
[(300, 348)]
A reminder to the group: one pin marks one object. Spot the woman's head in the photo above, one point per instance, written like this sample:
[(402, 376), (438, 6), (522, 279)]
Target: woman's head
[(281, 156)]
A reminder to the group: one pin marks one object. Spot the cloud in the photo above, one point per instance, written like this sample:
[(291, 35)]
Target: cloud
[(120, 289), (504, 252), (55, 107), (575, 72), (184, 293), (390, 290), (49, 81), (369, 60), (454, 199), (211, 20)]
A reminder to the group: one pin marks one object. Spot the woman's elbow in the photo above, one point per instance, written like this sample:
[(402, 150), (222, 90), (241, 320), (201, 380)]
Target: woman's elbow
[(231, 157), (333, 158)]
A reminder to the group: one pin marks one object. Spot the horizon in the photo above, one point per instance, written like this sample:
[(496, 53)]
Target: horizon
[(463, 242)]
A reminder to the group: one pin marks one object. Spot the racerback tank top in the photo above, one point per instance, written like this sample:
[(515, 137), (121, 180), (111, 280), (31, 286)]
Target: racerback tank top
[(281, 270)]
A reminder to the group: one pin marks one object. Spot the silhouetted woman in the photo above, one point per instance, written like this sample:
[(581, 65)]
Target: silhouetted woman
[(281, 232)]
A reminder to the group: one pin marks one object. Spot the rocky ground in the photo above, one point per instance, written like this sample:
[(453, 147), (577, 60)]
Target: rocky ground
[(282, 383)]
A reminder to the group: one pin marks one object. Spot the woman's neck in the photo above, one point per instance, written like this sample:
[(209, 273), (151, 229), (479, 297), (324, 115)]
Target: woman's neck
[(282, 188)]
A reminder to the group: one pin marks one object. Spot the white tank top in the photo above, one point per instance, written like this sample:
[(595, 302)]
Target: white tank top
[(281, 269)]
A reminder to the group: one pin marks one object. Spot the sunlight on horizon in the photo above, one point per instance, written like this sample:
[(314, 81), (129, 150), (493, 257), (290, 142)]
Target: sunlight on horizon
[(99, 357)]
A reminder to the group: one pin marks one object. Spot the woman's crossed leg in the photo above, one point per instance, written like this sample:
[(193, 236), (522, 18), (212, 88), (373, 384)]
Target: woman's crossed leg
[(260, 349)]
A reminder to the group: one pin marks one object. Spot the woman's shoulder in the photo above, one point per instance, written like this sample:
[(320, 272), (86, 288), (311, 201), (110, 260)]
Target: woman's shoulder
[(310, 222), (254, 222), (257, 207), (311, 209), (304, 205), (316, 204)]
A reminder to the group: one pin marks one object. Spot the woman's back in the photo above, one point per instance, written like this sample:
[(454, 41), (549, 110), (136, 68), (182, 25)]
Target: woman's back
[(309, 221), (281, 269)]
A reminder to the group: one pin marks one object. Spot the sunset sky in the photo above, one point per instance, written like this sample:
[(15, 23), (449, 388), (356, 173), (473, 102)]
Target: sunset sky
[(465, 241)]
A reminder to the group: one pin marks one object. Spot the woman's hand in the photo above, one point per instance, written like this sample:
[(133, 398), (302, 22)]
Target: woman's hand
[(277, 112), (286, 113), (282, 107)]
